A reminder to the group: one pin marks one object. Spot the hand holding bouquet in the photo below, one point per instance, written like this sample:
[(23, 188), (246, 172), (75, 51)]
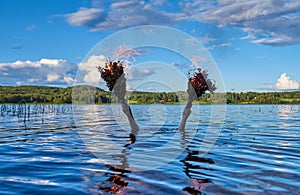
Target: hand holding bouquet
[(113, 75), (198, 84)]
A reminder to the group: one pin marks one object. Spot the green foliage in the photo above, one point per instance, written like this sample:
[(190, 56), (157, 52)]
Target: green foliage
[(55, 95), (263, 98), (92, 95)]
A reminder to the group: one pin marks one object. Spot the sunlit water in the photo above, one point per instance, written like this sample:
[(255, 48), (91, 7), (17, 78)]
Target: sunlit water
[(85, 151)]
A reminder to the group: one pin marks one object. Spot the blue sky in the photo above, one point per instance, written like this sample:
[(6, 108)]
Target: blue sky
[(255, 44)]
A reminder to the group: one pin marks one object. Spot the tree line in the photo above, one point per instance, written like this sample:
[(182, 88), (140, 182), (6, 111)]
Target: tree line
[(284, 97), (89, 94)]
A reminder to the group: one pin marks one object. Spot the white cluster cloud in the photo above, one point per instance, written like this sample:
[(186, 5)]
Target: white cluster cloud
[(62, 72), (89, 68), (44, 71), (284, 83), (35, 64), (52, 77), (269, 22), (69, 79), (88, 73)]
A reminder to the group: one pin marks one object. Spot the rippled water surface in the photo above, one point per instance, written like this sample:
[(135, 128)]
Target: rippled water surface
[(57, 149)]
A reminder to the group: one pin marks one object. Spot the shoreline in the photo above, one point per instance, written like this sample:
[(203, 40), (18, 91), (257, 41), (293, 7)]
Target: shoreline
[(85, 94)]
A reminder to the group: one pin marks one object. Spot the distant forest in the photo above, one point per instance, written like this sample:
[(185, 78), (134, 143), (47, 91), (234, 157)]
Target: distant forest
[(90, 94)]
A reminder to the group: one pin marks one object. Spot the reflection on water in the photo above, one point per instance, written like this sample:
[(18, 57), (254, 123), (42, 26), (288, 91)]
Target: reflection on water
[(116, 181), (257, 152), (287, 111), (151, 147), (189, 170)]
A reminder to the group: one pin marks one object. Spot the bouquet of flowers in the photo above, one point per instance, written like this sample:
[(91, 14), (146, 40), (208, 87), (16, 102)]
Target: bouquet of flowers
[(199, 83), (113, 75)]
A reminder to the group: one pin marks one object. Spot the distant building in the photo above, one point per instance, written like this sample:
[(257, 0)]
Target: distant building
[(162, 101)]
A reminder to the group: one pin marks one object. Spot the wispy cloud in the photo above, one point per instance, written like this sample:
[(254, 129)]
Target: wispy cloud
[(123, 14), (285, 83), (179, 65), (31, 27), (219, 46), (206, 39), (139, 73), (17, 47), (269, 22), (86, 17)]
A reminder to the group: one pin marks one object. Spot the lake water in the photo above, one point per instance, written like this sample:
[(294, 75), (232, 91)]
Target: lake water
[(57, 149)]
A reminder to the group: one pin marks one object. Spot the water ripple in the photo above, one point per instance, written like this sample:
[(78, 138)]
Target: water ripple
[(257, 152)]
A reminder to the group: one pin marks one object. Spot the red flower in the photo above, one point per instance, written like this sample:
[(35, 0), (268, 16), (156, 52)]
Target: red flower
[(199, 83), (113, 75)]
